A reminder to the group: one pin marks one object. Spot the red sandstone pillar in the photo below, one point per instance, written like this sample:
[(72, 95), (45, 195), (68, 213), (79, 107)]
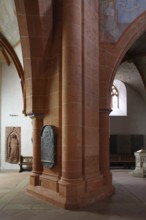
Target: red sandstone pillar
[(104, 149), (72, 91), (72, 101), (37, 123)]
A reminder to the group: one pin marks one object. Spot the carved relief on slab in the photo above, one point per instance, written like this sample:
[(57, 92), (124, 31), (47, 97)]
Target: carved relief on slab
[(48, 146), (13, 144)]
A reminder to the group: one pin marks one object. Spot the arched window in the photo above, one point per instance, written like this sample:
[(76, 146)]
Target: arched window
[(114, 98), (118, 99)]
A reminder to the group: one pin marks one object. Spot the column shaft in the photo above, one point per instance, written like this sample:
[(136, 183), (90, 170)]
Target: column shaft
[(37, 123), (104, 145), (72, 91)]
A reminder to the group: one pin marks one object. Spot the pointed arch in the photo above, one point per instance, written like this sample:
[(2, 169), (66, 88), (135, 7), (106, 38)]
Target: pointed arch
[(119, 92), (7, 48), (111, 55)]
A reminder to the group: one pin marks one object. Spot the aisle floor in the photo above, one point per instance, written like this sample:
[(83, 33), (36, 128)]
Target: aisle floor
[(128, 203)]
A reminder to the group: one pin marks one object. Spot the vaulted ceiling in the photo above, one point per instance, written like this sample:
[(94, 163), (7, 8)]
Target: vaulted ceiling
[(8, 26), (134, 66), (136, 54)]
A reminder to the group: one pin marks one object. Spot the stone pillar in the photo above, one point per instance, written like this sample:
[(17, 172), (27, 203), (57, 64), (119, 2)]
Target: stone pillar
[(37, 123), (71, 179), (104, 154)]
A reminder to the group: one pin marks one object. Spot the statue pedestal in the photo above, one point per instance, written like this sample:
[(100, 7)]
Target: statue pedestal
[(140, 169)]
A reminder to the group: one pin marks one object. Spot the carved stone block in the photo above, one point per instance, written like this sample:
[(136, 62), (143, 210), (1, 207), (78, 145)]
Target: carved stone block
[(48, 146)]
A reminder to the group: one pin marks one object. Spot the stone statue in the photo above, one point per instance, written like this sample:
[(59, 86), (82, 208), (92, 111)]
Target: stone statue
[(13, 148)]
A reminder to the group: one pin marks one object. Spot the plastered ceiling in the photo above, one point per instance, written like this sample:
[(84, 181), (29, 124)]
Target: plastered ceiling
[(8, 24), (136, 54)]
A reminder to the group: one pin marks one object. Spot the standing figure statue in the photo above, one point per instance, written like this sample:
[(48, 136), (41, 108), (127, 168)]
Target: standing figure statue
[(13, 148)]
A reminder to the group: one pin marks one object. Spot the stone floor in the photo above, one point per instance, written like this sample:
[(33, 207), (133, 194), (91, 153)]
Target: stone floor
[(129, 202)]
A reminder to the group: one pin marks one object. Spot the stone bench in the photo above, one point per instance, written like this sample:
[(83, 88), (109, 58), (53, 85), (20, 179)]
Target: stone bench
[(25, 163)]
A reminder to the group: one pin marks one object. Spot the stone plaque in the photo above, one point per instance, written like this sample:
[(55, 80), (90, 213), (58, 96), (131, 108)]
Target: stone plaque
[(48, 146)]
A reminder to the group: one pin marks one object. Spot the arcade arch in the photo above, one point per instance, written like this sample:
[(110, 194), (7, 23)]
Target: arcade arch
[(111, 56), (12, 104)]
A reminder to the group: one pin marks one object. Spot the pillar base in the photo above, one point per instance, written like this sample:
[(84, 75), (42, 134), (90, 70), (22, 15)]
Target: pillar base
[(108, 188), (72, 192), (34, 179), (69, 194)]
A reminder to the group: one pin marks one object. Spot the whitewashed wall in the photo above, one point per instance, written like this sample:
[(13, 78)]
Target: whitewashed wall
[(11, 103), (135, 121), (0, 114)]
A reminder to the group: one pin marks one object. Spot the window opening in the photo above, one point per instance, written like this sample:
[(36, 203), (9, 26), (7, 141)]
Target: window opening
[(118, 99), (114, 98)]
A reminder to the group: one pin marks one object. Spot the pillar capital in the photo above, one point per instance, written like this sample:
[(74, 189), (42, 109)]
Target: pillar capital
[(105, 110), (36, 115)]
